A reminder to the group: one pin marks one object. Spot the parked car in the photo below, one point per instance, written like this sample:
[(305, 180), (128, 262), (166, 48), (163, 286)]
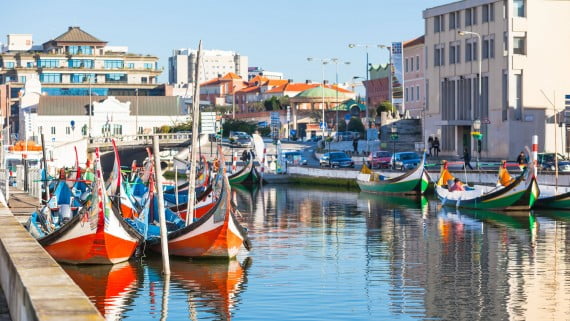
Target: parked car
[(405, 160), (546, 160), (240, 139), (295, 158), (336, 159), (379, 159)]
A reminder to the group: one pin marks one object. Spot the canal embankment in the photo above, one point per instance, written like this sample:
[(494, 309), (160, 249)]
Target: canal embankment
[(36, 288)]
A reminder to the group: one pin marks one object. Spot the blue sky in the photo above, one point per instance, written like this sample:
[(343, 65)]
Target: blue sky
[(275, 35)]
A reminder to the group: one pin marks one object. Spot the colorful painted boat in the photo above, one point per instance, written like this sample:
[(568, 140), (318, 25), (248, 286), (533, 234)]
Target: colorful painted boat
[(97, 234), (217, 234), (552, 197), (413, 182), (247, 175), (509, 194)]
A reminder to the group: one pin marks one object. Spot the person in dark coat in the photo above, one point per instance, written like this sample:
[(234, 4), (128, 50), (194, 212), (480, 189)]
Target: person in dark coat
[(355, 144), (430, 145), (522, 160), (435, 146), (467, 158)]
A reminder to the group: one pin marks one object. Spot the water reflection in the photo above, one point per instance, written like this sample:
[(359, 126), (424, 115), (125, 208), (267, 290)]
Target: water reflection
[(336, 254)]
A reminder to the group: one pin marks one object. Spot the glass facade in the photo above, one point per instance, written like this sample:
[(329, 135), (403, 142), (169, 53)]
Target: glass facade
[(80, 78), (80, 63), (50, 78), (48, 63), (78, 50), (116, 78), (113, 64)]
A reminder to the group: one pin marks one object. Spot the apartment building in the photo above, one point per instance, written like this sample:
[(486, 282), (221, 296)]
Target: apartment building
[(503, 63), (414, 83), (214, 64)]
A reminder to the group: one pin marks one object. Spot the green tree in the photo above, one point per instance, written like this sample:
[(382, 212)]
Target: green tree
[(385, 106), (355, 125)]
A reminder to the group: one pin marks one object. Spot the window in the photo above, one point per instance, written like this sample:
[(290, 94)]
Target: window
[(80, 78), (439, 56), (148, 65), (9, 64), (519, 8), (50, 78), (48, 63), (113, 64), (518, 96), (68, 130), (22, 79), (438, 23), (417, 62), (116, 78), (80, 50), (488, 12), (411, 93), (468, 17), (451, 20), (519, 45), (80, 63), (418, 93), (131, 65), (53, 130), (406, 94), (468, 51), (505, 41), (406, 64), (30, 64), (488, 48), (505, 99), (454, 53)]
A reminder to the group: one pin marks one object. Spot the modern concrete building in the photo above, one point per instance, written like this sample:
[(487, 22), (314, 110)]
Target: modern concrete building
[(215, 63), (521, 50), (75, 64), (258, 71), (414, 81)]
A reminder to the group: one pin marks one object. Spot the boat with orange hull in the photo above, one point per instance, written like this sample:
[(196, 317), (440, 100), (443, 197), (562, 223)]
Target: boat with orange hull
[(217, 234), (97, 234)]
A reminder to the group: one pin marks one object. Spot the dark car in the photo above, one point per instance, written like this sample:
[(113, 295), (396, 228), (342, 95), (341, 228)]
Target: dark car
[(405, 160), (295, 158), (546, 161), (336, 159), (379, 159)]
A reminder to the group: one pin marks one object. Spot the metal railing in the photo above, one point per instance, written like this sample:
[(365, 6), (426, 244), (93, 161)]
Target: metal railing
[(170, 138)]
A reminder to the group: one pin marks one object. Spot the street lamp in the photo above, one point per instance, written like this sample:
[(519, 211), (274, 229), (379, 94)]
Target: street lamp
[(323, 62), (137, 115), (336, 61), (394, 137), (234, 102), (479, 60), (90, 108), (353, 45)]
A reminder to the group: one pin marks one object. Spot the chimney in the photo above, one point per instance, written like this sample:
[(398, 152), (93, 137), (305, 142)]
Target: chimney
[(308, 82), (289, 81), (326, 82)]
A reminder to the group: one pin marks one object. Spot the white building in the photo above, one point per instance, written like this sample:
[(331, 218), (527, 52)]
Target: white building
[(66, 118), (215, 63), (258, 71), (521, 49)]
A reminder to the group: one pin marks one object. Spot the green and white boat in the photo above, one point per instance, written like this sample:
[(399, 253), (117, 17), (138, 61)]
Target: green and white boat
[(413, 182), (247, 175), (552, 197), (508, 195)]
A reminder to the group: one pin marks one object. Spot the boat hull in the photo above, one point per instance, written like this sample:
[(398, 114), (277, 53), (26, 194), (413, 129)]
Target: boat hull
[(554, 200), (517, 196), (414, 182)]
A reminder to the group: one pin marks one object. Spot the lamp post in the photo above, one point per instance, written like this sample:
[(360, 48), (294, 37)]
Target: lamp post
[(336, 61), (353, 45), (90, 108), (479, 111), (323, 62), (234, 102), (394, 137), (137, 115)]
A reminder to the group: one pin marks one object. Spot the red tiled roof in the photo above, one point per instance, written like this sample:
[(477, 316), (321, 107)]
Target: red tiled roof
[(248, 90), (277, 89), (299, 86), (231, 75), (417, 41), (276, 82)]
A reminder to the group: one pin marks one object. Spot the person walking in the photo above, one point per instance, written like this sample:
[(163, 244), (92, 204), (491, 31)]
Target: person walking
[(522, 160), (467, 158), (435, 146), (430, 145), (355, 144)]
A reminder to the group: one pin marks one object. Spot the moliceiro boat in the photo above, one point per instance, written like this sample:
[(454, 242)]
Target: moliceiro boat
[(413, 182), (509, 194), (93, 233), (247, 175), (553, 197)]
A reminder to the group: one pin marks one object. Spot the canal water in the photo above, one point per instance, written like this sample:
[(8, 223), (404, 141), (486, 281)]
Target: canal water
[(325, 254)]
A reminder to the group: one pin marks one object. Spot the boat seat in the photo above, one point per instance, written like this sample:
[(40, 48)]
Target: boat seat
[(65, 211)]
